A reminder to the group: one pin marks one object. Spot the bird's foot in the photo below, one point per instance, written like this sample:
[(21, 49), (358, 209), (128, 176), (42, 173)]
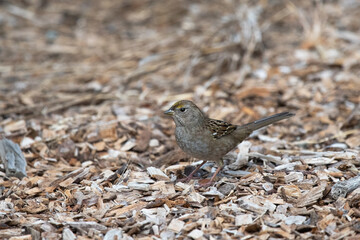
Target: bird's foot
[(205, 183), (186, 179), (191, 175), (209, 182)]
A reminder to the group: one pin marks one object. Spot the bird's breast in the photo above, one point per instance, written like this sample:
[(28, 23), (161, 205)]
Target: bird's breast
[(199, 143)]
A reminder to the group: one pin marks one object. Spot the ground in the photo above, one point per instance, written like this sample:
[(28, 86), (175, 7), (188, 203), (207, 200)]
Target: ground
[(83, 87)]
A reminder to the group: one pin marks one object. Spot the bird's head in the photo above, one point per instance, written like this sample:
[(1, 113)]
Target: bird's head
[(186, 114)]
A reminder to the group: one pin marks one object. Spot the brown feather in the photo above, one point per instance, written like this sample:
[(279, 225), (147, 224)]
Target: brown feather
[(220, 128)]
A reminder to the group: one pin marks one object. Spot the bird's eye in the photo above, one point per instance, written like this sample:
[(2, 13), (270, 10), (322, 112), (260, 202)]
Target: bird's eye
[(182, 109)]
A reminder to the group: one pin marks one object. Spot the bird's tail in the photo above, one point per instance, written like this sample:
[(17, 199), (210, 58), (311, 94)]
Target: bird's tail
[(268, 120)]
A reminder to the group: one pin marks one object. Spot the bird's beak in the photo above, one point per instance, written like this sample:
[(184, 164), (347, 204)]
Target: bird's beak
[(169, 112)]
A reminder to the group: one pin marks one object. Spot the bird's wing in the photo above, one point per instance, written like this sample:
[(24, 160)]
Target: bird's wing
[(220, 128)]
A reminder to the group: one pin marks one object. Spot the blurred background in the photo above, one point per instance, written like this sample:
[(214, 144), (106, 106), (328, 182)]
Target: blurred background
[(86, 61), (84, 83)]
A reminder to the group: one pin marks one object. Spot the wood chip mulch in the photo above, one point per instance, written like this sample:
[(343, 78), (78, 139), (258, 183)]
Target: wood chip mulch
[(86, 152)]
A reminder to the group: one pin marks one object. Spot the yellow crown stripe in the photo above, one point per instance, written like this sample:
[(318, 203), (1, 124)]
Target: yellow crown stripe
[(178, 104)]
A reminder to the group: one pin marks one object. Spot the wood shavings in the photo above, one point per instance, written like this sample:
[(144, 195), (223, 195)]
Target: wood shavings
[(243, 219), (251, 206), (312, 196), (15, 126), (12, 158), (139, 186), (294, 177), (195, 234), (195, 197), (341, 189), (81, 107), (176, 225), (157, 174)]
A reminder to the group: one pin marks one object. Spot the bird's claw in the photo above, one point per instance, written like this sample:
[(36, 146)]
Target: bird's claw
[(184, 180), (205, 183)]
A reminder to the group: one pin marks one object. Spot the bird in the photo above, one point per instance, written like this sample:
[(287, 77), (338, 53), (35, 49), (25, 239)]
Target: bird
[(209, 139)]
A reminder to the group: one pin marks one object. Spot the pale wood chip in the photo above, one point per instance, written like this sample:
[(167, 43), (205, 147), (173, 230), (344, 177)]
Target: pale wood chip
[(33, 191), (155, 215), (157, 174), (270, 158), (279, 232), (127, 209), (24, 237), (323, 223), (251, 206), (163, 187), (128, 145), (294, 177), (319, 161), (112, 234), (243, 219), (66, 182), (343, 188), (13, 159), (26, 142), (312, 196), (67, 234), (295, 220), (195, 197), (100, 146), (353, 141), (196, 234), (139, 186), (15, 126), (176, 225), (81, 225)]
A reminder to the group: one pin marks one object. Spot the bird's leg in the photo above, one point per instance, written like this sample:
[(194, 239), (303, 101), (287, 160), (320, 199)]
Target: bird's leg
[(211, 180), (188, 178)]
